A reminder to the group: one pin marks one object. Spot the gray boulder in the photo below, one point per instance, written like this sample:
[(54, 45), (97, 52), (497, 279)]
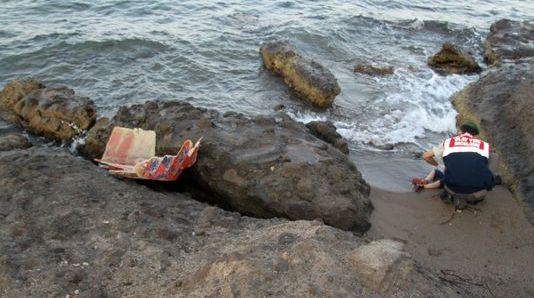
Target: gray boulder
[(13, 141), (509, 40), (452, 59), (69, 229), (501, 103), (56, 113), (326, 131), (262, 166), (309, 79)]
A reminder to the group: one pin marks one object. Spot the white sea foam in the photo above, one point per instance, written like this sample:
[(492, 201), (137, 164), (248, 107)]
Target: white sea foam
[(305, 117), (77, 141), (415, 105), (418, 105)]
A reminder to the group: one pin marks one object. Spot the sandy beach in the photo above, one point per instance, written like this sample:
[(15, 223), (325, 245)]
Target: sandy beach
[(489, 246)]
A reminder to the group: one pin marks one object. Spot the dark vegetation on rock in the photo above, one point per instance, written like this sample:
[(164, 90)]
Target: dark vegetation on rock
[(452, 59), (372, 70), (312, 81), (509, 40), (261, 166)]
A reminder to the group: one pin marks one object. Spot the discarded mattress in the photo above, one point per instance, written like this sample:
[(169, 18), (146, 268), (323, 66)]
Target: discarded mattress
[(130, 153)]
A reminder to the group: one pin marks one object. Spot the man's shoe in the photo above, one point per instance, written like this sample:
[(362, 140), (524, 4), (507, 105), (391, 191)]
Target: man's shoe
[(498, 180), (446, 197)]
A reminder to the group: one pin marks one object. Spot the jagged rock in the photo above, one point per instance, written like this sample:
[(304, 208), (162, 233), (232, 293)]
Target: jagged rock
[(501, 103), (326, 131), (12, 93), (509, 40), (453, 59), (262, 167), (14, 141), (55, 113), (374, 70), (68, 228), (308, 78)]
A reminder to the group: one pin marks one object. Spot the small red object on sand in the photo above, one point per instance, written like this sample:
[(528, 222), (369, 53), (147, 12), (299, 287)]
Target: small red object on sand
[(418, 183)]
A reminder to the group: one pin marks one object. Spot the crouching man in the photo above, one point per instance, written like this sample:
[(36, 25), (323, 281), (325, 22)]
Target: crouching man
[(467, 177)]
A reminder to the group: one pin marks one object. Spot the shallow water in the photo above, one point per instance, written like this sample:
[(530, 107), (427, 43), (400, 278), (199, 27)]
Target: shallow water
[(206, 52)]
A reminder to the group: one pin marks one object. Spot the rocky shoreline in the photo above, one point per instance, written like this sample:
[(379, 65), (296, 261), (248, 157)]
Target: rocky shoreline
[(68, 228)]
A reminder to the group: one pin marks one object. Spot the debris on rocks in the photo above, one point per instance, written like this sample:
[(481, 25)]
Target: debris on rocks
[(130, 153)]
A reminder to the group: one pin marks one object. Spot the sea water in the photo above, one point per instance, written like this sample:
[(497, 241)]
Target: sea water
[(207, 53)]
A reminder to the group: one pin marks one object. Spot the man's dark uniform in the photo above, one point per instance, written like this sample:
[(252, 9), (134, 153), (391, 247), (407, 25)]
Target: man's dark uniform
[(467, 173)]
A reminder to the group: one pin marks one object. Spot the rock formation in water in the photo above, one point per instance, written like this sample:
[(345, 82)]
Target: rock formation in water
[(509, 40), (501, 103), (312, 81), (56, 113), (326, 131), (68, 228), (452, 59), (261, 166), (372, 70)]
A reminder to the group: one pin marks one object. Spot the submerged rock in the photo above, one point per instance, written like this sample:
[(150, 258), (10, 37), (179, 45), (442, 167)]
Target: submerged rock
[(68, 227), (308, 78), (452, 59), (501, 103), (509, 40), (326, 131), (374, 70), (262, 166), (56, 113)]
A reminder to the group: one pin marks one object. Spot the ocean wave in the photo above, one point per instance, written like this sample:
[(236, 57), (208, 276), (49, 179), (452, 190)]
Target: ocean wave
[(115, 45), (83, 50)]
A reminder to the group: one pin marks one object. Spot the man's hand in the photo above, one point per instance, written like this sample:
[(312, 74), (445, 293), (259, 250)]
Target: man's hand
[(428, 156)]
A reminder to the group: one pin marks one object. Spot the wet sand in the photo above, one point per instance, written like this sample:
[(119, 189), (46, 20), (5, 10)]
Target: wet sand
[(490, 248)]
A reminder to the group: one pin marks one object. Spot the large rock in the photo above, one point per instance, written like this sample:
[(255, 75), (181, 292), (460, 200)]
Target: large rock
[(452, 59), (509, 40), (310, 79), (67, 228), (264, 167), (501, 103), (56, 113)]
